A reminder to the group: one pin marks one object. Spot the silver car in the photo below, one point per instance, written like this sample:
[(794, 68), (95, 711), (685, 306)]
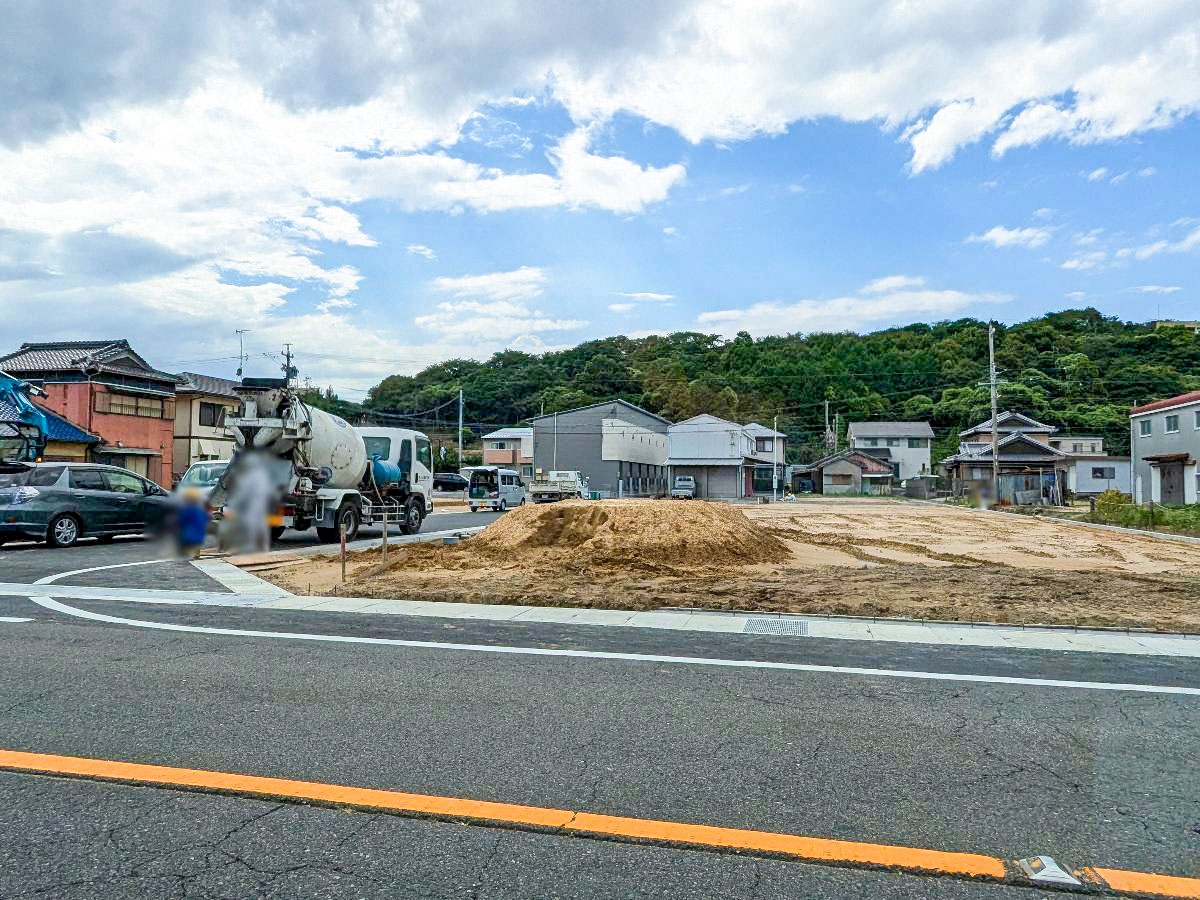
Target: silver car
[(61, 502)]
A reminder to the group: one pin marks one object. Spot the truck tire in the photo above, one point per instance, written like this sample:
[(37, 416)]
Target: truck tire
[(414, 515), (347, 513)]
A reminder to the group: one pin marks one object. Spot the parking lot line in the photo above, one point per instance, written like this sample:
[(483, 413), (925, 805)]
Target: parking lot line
[(585, 824)]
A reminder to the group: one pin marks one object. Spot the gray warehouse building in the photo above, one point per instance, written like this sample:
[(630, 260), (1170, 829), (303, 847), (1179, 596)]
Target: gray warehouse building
[(619, 447)]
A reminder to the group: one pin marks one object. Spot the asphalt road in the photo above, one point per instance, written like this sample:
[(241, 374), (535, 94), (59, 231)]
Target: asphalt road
[(1089, 777)]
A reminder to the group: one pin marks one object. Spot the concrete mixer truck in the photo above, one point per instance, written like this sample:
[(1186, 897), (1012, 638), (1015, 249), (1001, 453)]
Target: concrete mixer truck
[(329, 473)]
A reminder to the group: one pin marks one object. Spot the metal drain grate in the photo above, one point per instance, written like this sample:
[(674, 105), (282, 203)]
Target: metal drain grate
[(776, 626)]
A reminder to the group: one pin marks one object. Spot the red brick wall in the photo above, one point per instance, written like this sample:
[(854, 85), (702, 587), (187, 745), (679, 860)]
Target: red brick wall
[(72, 401)]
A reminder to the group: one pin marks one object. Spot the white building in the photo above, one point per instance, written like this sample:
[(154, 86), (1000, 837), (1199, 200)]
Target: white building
[(903, 445), (727, 460), (511, 447), (1165, 437)]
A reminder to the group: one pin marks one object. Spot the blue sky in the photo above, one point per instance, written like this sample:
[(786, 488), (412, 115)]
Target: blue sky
[(387, 190)]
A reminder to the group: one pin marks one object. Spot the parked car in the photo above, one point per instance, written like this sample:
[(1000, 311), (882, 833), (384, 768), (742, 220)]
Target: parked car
[(684, 488), (61, 502), (449, 481), (495, 488), (203, 476)]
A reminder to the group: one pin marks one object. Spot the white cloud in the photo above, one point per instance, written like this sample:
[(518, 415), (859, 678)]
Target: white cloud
[(1147, 172), (999, 236), (1085, 261), (891, 283), (646, 295), (1156, 289), (1117, 179), (1087, 238), (1188, 242), (842, 313), (1074, 295), (1096, 174), (621, 307), (492, 307), (737, 189), (421, 250), (1044, 212), (524, 283), (671, 231)]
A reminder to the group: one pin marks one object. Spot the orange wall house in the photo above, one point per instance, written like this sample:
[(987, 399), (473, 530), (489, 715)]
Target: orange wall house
[(107, 389)]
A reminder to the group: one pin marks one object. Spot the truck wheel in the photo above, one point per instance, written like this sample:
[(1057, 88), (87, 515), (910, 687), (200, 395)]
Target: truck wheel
[(503, 506), (413, 516), (347, 514)]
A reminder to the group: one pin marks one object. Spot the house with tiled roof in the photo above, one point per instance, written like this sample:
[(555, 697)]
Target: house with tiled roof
[(202, 402), (66, 441), (110, 392)]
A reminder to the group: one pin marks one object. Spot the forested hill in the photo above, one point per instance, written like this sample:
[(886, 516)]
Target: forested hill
[(1077, 370)]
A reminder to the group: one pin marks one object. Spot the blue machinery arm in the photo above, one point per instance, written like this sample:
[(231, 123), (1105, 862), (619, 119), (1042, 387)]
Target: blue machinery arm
[(23, 426)]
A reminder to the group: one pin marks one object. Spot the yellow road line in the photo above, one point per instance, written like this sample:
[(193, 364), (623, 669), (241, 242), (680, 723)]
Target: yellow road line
[(813, 849)]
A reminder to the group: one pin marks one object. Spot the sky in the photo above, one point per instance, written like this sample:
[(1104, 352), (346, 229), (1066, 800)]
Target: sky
[(386, 185)]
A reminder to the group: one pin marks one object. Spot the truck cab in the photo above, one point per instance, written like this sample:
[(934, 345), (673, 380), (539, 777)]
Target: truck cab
[(684, 488), (407, 450)]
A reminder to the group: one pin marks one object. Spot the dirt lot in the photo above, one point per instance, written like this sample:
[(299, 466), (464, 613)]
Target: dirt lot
[(854, 556)]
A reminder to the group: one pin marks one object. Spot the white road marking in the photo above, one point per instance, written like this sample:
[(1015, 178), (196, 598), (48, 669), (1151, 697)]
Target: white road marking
[(14, 619), (52, 604)]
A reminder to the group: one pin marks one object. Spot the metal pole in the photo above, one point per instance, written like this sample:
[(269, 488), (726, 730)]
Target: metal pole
[(995, 424), (385, 529), (555, 464), (827, 442), (342, 541), (460, 426), (775, 462)]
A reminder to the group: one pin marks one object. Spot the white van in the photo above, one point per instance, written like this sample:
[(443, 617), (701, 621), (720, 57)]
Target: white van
[(492, 487)]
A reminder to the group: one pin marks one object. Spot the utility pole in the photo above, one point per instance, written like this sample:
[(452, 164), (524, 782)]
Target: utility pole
[(837, 417), (241, 350), (995, 413), (828, 433), (555, 465), (775, 461), (460, 418), (288, 371)]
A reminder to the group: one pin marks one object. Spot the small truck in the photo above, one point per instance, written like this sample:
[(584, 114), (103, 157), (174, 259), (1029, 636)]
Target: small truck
[(684, 488), (554, 486)]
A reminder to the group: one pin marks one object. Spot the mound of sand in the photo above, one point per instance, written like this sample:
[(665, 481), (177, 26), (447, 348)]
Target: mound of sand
[(656, 532)]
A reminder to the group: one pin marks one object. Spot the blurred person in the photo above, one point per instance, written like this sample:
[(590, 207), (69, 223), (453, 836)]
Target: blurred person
[(191, 523), (251, 499)]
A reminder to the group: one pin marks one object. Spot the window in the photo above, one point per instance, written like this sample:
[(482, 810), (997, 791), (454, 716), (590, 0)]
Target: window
[(43, 476), (841, 479), (914, 443), (1144, 427), (893, 442), (124, 483), (1171, 424), (378, 446), (1077, 448), (1197, 415), (762, 479), (764, 445), (133, 405), (425, 453), (870, 442), (212, 414), (499, 445), (87, 480), (406, 454), (1105, 473)]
